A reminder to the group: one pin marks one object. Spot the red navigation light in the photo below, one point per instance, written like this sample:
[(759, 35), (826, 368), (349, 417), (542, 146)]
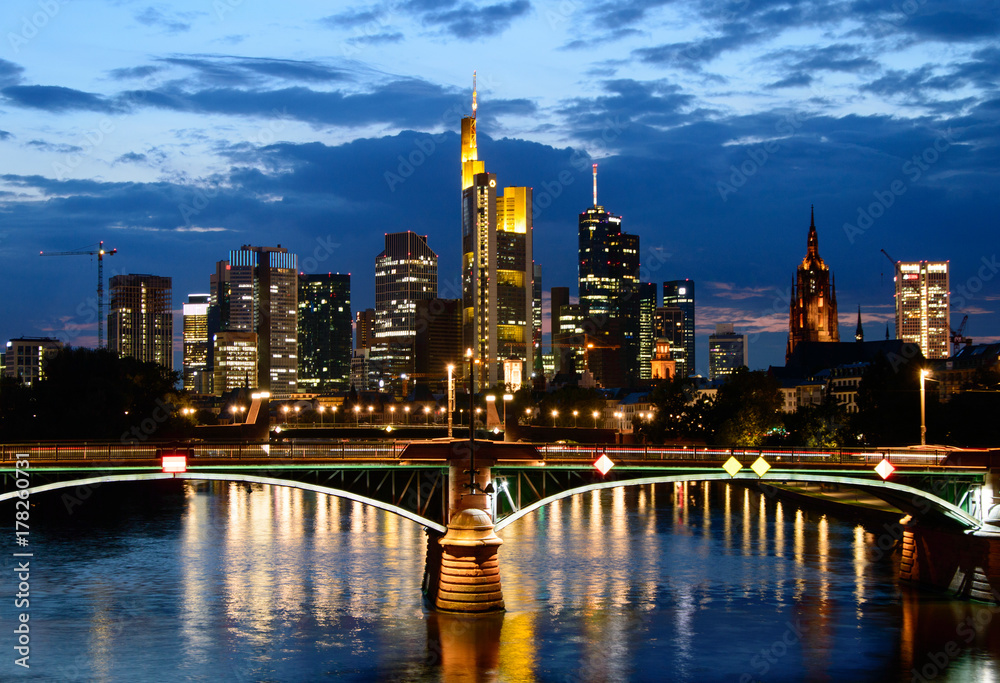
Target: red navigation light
[(174, 464)]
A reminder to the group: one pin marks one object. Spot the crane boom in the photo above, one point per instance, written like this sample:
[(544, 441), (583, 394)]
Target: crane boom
[(100, 253)]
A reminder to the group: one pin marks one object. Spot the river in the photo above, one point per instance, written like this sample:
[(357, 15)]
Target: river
[(687, 582)]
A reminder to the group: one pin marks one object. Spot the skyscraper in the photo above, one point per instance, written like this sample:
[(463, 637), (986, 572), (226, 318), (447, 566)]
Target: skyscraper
[(726, 351), (140, 318), (405, 272), (536, 318), (668, 329), (236, 361), (324, 331), (364, 329), (497, 266), (197, 374), (813, 310), (438, 341), (647, 309), (680, 294), (922, 306), (609, 276), (263, 299)]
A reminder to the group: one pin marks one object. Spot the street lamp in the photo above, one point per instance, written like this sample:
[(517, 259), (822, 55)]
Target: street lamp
[(334, 411), (392, 414), (507, 398), (357, 418), (923, 416), (451, 396), (322, 409), (232, 409), (594, 415), (371, 418), (406, 409), (285, 409), (575, 414), (296, 415), (427, 415), (555, 414)]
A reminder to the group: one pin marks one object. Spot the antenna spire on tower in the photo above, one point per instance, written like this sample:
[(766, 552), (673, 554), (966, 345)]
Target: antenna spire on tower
[(595, 184), (475, 105)]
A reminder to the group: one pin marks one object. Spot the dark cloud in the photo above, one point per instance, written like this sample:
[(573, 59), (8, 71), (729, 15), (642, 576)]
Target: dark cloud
[(246, 71), (4, 135), (10, 73), (58, 148), (131, 72), (472, 21), (973, 21), (152, 16), (131, 157), (611, 16), (693, 55), (838, 57), (353, 18), (55, 98), (378, 38), (795, 80)]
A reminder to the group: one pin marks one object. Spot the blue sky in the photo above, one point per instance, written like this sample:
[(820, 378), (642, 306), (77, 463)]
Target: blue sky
[(176, 132)]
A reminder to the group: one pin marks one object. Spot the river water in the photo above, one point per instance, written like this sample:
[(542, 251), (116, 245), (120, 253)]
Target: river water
[(214, 582)]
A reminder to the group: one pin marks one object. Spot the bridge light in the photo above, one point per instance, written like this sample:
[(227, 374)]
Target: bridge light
[(174, 464), (732, 466), (884, 468), (604, 464)]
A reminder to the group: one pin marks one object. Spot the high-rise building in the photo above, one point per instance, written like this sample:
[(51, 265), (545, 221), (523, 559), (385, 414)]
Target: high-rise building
[(324, 332), (680, 294), (405, 272), (140, 318), (26, 357), (922, 306), (813, 310), (669, 328), (647, 339), (536, 318), (609, 276), (263, 298), (568, 338), (197, 374), (726, 351), (438, 341), (497, 265), (364, 335), (236, 356)]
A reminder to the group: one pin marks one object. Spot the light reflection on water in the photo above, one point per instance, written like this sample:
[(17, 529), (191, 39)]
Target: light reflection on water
[(686, 582)]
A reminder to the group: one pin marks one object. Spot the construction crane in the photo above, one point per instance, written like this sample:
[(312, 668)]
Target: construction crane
[(892, 261), (958, 338), (100, 252)]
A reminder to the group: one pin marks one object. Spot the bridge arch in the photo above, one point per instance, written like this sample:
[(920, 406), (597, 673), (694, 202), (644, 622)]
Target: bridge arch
[(955, 513), (234, 477)]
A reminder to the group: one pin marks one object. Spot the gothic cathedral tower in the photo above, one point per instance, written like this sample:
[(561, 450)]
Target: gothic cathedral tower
[(813, 314)]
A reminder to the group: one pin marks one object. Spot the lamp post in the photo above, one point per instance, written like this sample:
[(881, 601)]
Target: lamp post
[(507, 398), (923, 415), (357, 416), (371, 417), (232, 409), (451, 396), (576, 413), (334, 411), (284, 409), (322, 409), (472, 423), (406, 410), (296, 416), (555, 414), (427, 414), (392, 414), (594, 415)]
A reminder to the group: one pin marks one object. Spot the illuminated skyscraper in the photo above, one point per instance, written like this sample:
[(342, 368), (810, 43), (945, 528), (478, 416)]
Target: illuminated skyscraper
[(669, 328), (726, 351), (647, 310), (680, 294), (813, 314), (405, 272), (536, 318), (197, 375), (324, 332), (609, 277), (922, 306), (236, 366), (263, 299), (141, 318), (497, 266)]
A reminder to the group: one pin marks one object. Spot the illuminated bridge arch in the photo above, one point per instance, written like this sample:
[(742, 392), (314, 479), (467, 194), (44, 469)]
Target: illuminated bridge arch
[(230, 477), (890, 491)]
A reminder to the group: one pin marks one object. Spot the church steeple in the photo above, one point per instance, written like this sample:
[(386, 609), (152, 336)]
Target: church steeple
[(813, 242), (859, 334), (813, 315)]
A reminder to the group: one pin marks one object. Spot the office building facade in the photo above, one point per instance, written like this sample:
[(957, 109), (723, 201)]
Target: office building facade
[(263, 299), (197, 375), (324, 338), (923, 305), (727, 351), (680, 294), (141, 319), (647, 339), (25, 358), (236, 361)]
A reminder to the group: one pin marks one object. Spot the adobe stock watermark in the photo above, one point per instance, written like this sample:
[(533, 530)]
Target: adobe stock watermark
[(32, 25), (22, 532), (913, 169), (757, 157)]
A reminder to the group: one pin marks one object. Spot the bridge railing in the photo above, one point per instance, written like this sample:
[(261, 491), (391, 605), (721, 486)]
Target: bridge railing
[(106, 452), (556, 452)]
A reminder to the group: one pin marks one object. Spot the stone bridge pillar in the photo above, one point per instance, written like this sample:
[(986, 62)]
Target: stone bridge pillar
[(965, 565), (468, 568)]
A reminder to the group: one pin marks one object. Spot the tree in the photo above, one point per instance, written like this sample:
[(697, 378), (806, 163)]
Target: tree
[(816, 426), (747, 408), (889, 403), (680, 413)]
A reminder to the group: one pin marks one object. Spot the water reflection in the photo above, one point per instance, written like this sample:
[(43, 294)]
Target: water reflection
[(686, 582)]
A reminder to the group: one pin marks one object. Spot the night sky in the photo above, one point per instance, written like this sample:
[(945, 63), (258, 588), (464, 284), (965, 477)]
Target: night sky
[(176, 132)]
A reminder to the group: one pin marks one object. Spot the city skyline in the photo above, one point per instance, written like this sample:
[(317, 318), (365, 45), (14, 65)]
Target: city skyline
[(206, 128)]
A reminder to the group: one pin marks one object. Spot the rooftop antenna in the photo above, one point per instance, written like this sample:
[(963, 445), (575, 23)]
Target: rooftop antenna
[(475, 105), (595, 184)]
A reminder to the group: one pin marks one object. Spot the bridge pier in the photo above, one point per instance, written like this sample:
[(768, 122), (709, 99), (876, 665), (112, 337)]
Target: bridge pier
[(966, 565), (463, 570)]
